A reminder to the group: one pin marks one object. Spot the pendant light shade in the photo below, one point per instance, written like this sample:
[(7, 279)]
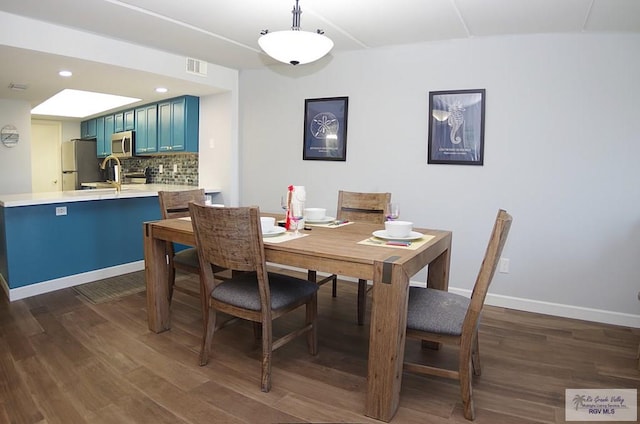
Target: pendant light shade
[(294, 46)]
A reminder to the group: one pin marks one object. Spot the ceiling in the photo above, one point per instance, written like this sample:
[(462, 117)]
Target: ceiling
[(225, 32)]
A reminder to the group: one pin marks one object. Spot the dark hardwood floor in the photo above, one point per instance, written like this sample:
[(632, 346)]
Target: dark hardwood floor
[(65, 360)]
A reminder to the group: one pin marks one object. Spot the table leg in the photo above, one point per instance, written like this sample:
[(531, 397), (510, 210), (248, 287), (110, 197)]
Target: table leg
[(386, 341), (155, 268)]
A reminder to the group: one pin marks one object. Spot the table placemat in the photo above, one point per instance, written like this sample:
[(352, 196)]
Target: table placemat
[(411, 245), (283, 237)]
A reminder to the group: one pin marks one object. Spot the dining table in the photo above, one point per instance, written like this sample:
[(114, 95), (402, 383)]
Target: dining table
[(349, 250)]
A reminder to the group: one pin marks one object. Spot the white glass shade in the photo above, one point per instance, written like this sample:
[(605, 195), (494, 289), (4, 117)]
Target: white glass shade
[(294, 46)]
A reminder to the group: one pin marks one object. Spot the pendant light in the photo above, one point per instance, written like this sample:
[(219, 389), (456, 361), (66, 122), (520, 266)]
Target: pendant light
[(295, 46)]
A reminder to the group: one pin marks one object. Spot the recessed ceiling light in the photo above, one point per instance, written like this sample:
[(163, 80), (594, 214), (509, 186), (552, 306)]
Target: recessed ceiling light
[(65, 73), (78, 104), (161, 90)]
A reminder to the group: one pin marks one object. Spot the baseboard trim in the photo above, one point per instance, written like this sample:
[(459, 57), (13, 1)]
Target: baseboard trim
[(69, 281), (528, 305), (557, 309)]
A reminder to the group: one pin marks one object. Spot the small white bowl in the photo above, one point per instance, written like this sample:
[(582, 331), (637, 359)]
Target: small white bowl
[(267, 223), (315, 214), (398, 228)]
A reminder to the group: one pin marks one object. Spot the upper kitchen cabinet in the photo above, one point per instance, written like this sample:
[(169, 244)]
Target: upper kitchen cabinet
[(88, 129), (118, 122), (105, 128), (129, 120), (146, 126), (123, 121), (178, 125)]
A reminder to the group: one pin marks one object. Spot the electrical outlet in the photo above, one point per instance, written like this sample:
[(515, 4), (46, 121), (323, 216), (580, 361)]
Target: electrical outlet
[(160, 169), (504, 265), (61, 210), (175, 168)]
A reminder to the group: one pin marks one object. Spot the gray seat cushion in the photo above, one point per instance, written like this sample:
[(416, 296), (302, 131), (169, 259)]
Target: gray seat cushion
[(187, 257), (242, 291), (436, 311)]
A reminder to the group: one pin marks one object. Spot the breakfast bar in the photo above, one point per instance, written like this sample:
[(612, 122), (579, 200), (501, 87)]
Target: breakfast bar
[(337, 251)]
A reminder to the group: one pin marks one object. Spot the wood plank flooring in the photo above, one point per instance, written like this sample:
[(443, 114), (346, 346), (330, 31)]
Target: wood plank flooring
[(64, 360)]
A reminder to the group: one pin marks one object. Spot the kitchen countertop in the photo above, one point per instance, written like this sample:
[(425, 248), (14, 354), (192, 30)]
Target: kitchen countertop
[(128, 191)]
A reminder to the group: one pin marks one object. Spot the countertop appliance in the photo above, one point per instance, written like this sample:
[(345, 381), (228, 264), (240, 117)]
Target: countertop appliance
[(79, 164), (137, 176), (122, 144)]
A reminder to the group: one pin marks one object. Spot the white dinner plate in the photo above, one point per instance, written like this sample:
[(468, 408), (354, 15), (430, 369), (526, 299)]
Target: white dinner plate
[(413, 235), (275, 232), (325, 220)]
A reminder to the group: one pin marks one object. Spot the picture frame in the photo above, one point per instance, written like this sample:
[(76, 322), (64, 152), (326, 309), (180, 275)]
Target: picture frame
[(325, 129), (456, 127)]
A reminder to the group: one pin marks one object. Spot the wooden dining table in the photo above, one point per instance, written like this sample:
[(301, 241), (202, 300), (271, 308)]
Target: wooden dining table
[(333, 251)]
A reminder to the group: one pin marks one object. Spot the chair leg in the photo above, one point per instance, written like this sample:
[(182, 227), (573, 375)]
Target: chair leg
[(207, 337), (475, 356), (334, 286), (312, 318), (267, 345), (171, 280), (362, 300), (466, 390)]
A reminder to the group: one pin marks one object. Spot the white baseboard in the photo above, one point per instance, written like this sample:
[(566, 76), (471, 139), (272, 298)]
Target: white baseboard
[(557, 309), (536, 306), (70, 281)]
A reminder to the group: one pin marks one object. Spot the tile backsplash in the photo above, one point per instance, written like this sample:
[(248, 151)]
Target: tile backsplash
[(186, 174)]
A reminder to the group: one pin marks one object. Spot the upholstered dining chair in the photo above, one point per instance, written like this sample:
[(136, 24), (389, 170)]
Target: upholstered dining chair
[(175, 204), (444, 317), (357, 207), (232, 239)]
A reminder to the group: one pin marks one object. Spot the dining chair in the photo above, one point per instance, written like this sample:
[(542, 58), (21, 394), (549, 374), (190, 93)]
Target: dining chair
[(175, 204), (442, 317), (357, 207), (232, 238)]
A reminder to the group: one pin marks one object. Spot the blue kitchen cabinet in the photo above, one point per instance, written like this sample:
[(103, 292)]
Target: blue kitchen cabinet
[(118, 122), (103, 141), (129, 120), (146, 127), (88, 128), (178, 122)]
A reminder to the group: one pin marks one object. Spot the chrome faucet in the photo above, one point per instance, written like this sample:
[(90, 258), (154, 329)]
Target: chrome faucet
[(115, 183)]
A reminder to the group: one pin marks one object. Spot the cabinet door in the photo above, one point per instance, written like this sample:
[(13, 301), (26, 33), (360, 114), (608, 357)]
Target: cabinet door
[(88, 128), (129, 120), (118, 122), (146, 130), (101, 141), (177, 124), (164, 127)]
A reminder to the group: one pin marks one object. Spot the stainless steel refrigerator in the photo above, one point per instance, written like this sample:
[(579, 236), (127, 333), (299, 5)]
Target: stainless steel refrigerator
[(79, 164)]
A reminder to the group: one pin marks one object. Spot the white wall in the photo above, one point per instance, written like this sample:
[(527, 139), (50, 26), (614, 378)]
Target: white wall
[(15, 162), (561, 149)]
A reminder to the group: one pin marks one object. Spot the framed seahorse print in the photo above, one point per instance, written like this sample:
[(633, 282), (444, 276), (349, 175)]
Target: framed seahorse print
[(456, 127)]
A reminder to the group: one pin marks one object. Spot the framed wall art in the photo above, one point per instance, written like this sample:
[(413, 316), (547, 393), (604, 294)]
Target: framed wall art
[(456, 127), (325, 129)]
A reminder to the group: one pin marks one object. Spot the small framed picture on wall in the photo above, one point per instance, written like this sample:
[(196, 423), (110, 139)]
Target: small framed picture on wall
[(456, 127), (325, 129)]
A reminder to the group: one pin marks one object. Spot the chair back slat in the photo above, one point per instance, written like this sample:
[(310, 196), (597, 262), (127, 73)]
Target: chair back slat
[(492, 255), (175, 204), (362, 207)]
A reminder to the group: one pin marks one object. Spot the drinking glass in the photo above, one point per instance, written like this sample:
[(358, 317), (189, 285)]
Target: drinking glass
[(392, 211), (297, 211)]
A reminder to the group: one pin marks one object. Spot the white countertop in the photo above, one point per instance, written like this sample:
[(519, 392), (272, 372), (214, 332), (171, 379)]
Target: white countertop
[(128, 191)]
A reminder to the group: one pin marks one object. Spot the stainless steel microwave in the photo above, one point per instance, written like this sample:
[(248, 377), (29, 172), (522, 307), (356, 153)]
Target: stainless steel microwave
[(122, 144)]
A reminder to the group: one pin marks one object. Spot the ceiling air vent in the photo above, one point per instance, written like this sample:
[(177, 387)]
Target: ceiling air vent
[(195, 66)]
